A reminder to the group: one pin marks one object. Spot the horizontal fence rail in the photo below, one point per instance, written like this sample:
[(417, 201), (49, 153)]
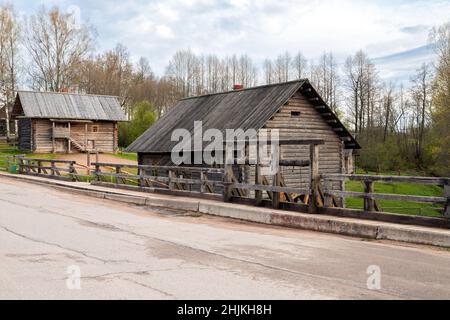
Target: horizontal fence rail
[(55, 169), (370, 197), (183, 180)]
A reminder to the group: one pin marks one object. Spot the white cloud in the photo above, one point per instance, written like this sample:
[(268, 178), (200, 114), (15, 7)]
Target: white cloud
[(261, 28)]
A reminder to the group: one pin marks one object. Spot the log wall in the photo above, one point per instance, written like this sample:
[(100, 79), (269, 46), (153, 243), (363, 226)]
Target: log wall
[(37, 136)]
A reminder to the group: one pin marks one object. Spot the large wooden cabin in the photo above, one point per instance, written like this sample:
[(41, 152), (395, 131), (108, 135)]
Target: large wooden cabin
[(295, 108), (67, 123)]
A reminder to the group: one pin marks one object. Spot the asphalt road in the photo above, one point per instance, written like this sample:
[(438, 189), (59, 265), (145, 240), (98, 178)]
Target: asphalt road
[(54, 245)]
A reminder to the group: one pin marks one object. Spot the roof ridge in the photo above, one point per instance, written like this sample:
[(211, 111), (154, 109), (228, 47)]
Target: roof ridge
[(68, 93), (248, 89)]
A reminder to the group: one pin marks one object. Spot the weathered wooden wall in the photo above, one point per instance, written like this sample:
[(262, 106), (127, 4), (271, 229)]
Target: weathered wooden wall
[(25, 135), (309, 124), (37, 136)]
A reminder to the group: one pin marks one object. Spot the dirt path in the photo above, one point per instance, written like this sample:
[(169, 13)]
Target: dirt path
[(81, 158)]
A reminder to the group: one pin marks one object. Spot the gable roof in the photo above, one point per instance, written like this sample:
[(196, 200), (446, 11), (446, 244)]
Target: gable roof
[(50, 105), (244, 109)]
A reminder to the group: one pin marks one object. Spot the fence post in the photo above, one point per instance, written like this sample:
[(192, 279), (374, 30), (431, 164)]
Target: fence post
[(228, 173), (369, 203), (141, 173), (202, 181), (72, 171), (171, 177), (258, 179), (20, 165), (97, 172), (315, 178), (447, 195), (118, 171), (39, 163), (328, 186), (276, 178), (53, 166)]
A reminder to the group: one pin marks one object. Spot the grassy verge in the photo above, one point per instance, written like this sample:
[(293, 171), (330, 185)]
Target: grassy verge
[(126, 156), (410, 208)]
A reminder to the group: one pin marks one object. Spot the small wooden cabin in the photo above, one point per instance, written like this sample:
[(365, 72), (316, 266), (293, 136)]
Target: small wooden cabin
[(295, 108), (66, 122)]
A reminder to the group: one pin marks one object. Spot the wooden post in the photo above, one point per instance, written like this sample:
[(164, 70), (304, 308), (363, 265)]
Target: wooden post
[(276, 179), (97, 172), (447, 195), (53, 168), (68, 140), (171, 177), (369, 203), (85, 137), (72, 171), (202, 179), (118, 171), (141, 173), (20, 165), (227, 176), (315, 178), (258, 178), (39, 167), (328, 198), (88, 163), (53, 137)]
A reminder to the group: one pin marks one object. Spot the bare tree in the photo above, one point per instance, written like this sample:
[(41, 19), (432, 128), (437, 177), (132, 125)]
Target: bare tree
[(9, 41), (361, 82), (421, 94), (57, 45), (299, 64), (325, 76)]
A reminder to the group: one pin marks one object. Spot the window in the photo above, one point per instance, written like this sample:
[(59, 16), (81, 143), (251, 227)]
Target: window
[(296, 114), (94, 128)]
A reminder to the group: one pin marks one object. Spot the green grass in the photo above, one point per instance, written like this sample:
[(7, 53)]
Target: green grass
[(402, 207), (126, 156)]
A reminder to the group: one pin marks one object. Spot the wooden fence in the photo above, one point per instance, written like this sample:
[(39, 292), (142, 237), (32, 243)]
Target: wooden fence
[(195, 181), (53, 169), (371, 198)]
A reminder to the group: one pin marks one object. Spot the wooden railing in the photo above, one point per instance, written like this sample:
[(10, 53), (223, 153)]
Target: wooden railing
[(370, 197), (181, 180), (55, 169)]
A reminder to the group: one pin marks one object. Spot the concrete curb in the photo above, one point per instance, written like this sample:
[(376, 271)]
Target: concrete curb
[(328, 224)]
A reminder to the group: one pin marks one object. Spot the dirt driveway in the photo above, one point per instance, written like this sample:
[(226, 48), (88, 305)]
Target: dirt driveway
[(81, 158)]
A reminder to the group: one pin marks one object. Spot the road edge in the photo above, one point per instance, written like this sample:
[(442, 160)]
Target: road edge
[(372, 230)]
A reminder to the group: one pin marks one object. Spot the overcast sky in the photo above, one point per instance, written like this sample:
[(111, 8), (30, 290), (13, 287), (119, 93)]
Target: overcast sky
[(393, 32)]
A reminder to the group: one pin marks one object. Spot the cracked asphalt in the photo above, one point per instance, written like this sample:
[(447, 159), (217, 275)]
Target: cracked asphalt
[(126, 252)]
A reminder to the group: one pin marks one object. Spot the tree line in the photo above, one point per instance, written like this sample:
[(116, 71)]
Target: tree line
[(399, 127)]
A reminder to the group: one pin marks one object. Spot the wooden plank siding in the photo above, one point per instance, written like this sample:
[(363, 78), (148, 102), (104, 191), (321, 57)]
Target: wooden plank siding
[(25, 135), (308, 125)]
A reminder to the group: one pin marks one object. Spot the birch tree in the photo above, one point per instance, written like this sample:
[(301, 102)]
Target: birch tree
[(57, 44), (9, 47)]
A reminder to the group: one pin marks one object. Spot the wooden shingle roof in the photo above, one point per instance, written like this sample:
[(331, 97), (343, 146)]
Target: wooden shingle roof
[(49, 105), (244, 109)]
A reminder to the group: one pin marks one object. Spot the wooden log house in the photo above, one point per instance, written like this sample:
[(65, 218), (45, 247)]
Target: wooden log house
[(67, 123), (294, 108)]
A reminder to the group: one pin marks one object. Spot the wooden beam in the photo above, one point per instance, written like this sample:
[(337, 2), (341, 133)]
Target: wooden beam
[(53, 137), (276, 181), (447, 195), (315, 178)]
